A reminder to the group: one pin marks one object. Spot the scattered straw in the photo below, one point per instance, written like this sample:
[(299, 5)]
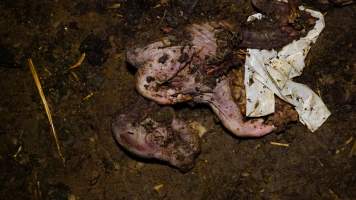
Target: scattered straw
[(17, 152), (88, 96), (48, 72), (279, 144), (46, 107), (158, 187), (157, 6), (79, 62), (75, 76), (198, 128), (349, 140), (115, 6), (334, 195), (241, 54)]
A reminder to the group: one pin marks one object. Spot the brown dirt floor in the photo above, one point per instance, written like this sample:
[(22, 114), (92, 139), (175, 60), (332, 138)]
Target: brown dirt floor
[(316, 165)]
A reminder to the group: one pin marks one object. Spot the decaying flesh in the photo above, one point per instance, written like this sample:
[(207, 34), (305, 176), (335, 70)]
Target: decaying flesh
[(150, 131), (194, 72), (199, 69), (282, 23), (284, 113)]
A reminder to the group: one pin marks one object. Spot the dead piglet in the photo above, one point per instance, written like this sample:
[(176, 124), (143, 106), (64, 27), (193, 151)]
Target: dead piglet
[(199, 75), (152, 132), (222, 103), (160, 63), (284, 114), (157, 63)]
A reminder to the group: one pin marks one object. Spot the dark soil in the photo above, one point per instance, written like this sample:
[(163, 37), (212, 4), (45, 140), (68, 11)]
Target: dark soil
[(84, 100)]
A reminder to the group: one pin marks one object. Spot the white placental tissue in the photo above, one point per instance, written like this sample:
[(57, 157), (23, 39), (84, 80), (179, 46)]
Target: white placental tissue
[(270, 72)]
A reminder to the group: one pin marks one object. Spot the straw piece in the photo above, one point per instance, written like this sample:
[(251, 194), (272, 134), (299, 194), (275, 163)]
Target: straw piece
[(75, 76), (79, 62), (46, 107), (279, 144), (158, 187), (88, 96), (349, 140)]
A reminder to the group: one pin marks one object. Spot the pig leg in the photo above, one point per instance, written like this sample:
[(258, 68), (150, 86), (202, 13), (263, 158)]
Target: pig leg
[(222, 103)]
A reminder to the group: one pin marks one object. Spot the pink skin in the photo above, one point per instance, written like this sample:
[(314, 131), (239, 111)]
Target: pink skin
[(174, 143), (170, 74), (222, 103), (159, 64), (183, 85)]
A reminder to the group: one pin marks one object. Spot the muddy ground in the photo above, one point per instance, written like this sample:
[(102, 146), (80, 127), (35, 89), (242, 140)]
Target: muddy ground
[(84, 100)]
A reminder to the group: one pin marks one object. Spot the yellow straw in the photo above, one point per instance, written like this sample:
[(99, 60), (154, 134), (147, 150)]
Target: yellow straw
[(46, 107), (79, 62)]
